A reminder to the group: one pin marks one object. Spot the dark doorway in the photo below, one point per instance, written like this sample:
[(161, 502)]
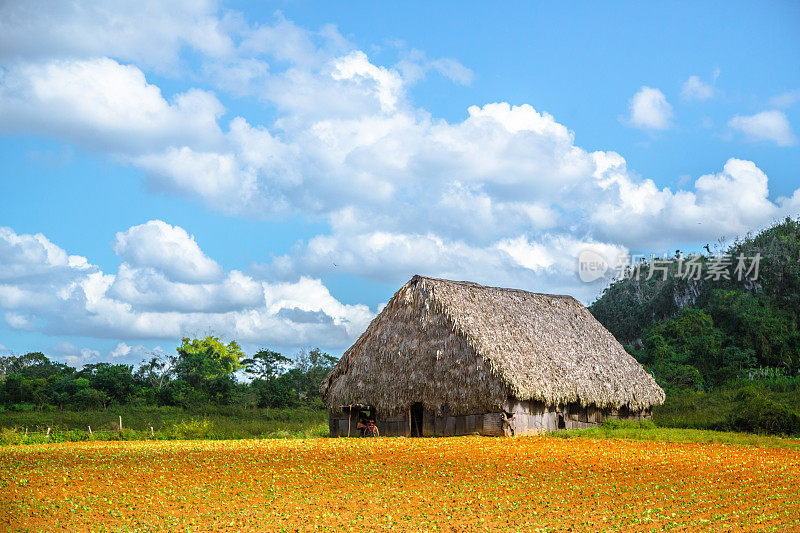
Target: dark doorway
[(415, 414)]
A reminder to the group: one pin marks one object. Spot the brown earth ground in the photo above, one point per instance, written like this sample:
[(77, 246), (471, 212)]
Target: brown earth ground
[(453, 484)]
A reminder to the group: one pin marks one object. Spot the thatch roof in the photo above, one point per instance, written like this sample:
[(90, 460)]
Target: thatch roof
[(471, 347)]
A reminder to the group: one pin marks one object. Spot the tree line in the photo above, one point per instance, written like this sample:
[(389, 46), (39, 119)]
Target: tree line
[(202, 371)]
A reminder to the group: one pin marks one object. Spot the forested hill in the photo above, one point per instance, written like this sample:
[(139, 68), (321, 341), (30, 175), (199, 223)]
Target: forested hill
[(701, 331)]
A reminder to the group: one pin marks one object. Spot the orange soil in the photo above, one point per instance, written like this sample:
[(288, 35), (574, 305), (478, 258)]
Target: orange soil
[(453, 484)]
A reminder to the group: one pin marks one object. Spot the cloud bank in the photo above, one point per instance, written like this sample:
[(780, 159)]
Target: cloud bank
[(502, 195), (43, 287)]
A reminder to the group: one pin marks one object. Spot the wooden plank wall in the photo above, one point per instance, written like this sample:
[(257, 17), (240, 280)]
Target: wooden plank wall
[(529, 418), (446, 425)]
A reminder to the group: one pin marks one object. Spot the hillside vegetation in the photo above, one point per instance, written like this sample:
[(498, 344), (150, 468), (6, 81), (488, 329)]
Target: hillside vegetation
[(726, 350)]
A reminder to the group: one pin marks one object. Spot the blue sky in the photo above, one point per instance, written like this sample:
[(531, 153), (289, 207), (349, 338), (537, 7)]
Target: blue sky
[(274, 174)]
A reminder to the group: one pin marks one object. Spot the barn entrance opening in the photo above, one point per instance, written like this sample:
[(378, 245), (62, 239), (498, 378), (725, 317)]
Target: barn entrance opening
[(415, 414), (360, 420), (366, 421)]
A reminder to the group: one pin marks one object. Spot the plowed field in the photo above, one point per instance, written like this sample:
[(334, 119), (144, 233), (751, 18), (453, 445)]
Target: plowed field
[(453, 484)]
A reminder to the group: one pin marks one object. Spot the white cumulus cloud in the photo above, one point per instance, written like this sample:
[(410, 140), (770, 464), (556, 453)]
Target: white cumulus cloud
[(146, 31), (696, 89), (650, 110), (770, 126), (168, 249), (103, 104)]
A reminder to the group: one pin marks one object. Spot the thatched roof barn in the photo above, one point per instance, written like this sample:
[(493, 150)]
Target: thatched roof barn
[(457, 348)]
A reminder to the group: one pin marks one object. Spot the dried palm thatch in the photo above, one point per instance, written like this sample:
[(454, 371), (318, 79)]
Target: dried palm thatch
[(469, 347)]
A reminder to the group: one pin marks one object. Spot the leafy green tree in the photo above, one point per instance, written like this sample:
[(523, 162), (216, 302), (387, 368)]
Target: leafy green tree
[(65, 387), (203, 359), (276, 392), (265, 364), (90, 398), (207, 366), (11, 392), (36, 391), (311, 368), (115, 381), (178, 393), (36, 365), (245, 395)]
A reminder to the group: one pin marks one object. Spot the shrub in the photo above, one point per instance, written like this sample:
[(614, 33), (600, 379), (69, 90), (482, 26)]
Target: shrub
[(10, 436), (757, 414), (613, 423), (67, 435), (746, 394), (193, 429)]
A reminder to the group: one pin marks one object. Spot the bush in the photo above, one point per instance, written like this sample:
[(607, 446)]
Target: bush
[(125, 434), (66, 435), (613, 423), (191, 430), (757, 414), (10, 436)]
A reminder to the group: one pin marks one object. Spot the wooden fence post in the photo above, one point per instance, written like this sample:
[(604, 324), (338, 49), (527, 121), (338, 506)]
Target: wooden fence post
[(48, 432), (90, 430), (120, 423)]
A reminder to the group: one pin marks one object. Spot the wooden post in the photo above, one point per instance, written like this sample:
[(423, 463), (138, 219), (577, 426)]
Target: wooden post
[(26, 431), (409, 422), (90, 430), (120, 423), (152, 433), (47, 435), (349, 414)]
